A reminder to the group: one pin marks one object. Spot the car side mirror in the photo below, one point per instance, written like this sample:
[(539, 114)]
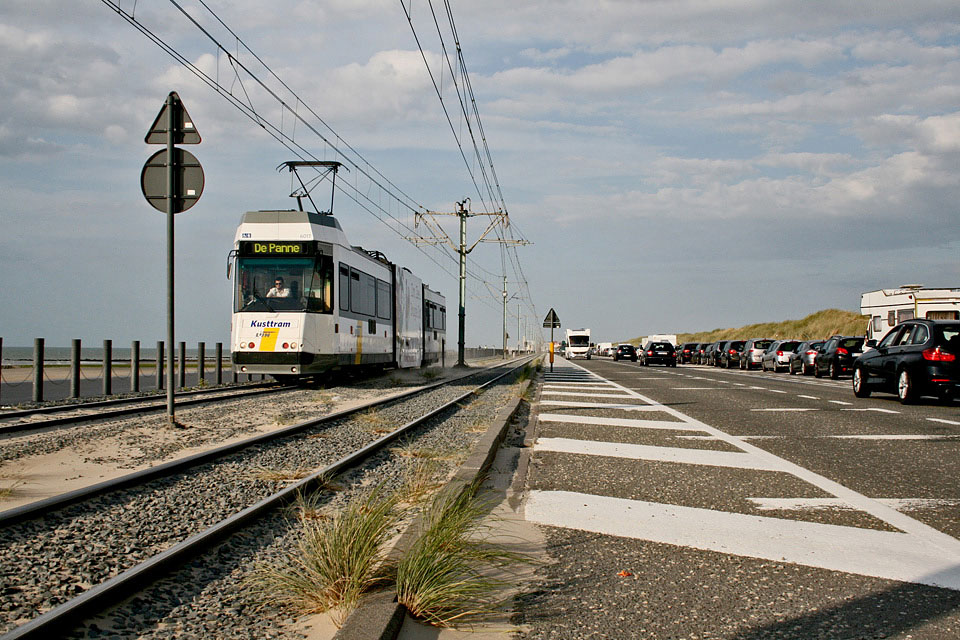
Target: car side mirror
[(870, 344)]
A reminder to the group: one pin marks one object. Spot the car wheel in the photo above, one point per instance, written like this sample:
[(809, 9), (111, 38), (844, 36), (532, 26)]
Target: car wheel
[(860, 387), (816, 371), (806, 369), (834, 370), (905, 389), (791, 371)]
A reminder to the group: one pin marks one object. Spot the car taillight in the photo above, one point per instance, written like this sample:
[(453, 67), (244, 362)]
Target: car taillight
[(686, 350), (936, 355), (842, 352), (732, 351), (810, 353), (779, 353), (649, 353)]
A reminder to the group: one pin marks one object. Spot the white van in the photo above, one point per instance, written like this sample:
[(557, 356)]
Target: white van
[(889, 307)]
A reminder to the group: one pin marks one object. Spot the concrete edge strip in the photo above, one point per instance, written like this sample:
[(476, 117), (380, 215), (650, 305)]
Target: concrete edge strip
[(379, 616)]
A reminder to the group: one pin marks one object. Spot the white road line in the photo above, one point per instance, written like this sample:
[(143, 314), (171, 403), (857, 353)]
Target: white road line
[(943, 421), (839, 402), (897, 437), (576, 387), (660, 454), (812, 504), (775, 391), (696, 388), (585, 395), (787, 409), (924, 534), (809, 397), (882, 554), (616, 422), (876, 409), (600, 405)]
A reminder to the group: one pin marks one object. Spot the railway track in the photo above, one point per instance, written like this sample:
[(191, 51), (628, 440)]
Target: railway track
[(69, 558), (16, 421)]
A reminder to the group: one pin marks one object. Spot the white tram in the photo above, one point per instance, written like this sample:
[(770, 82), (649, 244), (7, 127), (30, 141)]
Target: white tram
[(307, 302)]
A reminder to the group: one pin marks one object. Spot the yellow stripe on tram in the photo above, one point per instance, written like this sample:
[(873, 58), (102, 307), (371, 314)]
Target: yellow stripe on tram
[(359, 343), (269, 341)]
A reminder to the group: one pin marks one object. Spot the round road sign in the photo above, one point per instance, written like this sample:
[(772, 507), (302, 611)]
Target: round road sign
[(187, 180)]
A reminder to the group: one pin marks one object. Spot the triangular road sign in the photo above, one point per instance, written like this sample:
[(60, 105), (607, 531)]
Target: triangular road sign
[(551, 321), (186, 133)]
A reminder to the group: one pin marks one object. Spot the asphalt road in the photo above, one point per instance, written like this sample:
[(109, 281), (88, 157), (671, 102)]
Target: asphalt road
[(693, 502)]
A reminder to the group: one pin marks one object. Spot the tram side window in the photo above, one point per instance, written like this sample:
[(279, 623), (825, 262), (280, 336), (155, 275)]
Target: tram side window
[(384, 300), (442, 319), (344, 288), (363, 293), (319, 295)]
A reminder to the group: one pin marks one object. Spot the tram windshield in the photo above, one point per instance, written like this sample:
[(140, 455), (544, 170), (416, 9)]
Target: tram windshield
[(278, 284)]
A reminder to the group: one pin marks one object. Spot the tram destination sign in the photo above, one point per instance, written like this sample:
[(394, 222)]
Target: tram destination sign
[(276, 248)]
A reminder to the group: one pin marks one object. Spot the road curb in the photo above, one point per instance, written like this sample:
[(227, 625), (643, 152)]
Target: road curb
[(379, 616)]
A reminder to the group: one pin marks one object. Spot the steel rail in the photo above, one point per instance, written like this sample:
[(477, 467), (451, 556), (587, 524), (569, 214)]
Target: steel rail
[(53, 503), (98, 598), (147, 397), (149, 406)]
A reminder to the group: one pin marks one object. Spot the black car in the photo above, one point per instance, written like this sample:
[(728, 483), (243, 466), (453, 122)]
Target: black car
[(687, 352), (625, 352), (730, 357), (708, 356), (836, 356), (915, 358), (659, 353)]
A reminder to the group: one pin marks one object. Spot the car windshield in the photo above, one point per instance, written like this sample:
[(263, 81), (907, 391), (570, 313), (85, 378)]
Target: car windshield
[(762, 344), (851, 343), (661, 346), (789, 346)]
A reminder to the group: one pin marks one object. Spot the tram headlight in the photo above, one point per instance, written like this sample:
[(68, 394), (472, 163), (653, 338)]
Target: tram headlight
[(250, 346), (286, 345), (243, 368), (293, 345), (293, 369)]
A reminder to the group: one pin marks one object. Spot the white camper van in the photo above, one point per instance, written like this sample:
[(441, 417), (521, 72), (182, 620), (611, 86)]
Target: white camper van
[(578, 344), (889, 307)]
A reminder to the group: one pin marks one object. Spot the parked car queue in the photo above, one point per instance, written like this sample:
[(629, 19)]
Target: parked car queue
[(915, 358)]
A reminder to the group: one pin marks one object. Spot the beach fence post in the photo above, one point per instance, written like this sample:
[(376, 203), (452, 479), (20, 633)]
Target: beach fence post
[(219, 351), (135, 366), (160, 365), (38, 369), (107, 367), (201, 356), (75, 368), (1, 368), (183, 365)]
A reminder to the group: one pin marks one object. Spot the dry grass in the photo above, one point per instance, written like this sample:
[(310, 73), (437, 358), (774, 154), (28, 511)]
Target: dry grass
[(281, 475), (422, 478), (445, 577), (819, 325), (373, 421), (336, 559), (11, 481), (407, 449), (430, 374)]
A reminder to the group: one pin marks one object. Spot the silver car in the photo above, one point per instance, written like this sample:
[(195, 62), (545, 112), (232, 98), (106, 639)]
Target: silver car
[(777, 355), (801, 360), (753, 352)]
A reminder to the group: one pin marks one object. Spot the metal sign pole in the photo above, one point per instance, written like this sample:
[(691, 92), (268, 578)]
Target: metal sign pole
[(172, 120), (463, 285)]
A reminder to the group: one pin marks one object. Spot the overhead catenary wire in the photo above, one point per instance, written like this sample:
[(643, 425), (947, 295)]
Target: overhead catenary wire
[(336, 143), (471, 114)]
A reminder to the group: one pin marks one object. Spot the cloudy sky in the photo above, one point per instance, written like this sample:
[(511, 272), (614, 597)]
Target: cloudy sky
[(677, 165)]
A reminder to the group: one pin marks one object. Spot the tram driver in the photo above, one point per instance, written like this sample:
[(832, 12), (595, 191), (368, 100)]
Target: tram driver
[(278, 290)]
